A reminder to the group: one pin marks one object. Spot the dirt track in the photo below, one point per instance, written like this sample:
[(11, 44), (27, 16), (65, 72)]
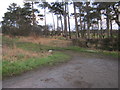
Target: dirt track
[(83, 71)]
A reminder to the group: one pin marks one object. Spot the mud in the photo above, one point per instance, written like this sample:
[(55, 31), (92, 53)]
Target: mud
[(82, 71)]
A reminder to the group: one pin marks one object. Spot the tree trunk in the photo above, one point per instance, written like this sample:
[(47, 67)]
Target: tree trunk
[(101, 28), (33, 21), (84, 30), (57, 22), (117, 20), (61, 24), (92, 31), (65, 21), (98, 29), (69, 22), (76, 24), (88, 22), (53, 24), (80, 21), (111, 28), (45, 31), (107, 23), (57, 25), (33, 18)]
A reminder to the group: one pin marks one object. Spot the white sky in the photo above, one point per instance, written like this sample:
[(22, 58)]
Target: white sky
[(5, 3)]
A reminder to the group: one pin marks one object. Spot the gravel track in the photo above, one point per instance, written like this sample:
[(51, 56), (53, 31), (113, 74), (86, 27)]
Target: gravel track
[(84, 70)]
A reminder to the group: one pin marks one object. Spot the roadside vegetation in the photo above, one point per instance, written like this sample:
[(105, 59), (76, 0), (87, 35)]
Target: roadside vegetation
[(20, 57), (94, 51), (11, 68)]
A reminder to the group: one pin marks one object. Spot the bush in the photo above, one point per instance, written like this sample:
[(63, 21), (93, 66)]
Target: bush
[(104, 44)]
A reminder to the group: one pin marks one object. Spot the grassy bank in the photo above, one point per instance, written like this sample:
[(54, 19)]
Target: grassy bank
[(19, 56), (87, 50), (38, 48), (17, 67)]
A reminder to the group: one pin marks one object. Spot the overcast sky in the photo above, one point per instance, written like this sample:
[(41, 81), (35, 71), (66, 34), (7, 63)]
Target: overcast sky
[(5, 3)]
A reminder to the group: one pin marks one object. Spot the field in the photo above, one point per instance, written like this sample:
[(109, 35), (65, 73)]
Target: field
[(21, 54)]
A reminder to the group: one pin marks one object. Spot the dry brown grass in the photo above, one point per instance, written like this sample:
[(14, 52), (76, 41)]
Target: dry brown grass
[(13, 54), (46, 41)]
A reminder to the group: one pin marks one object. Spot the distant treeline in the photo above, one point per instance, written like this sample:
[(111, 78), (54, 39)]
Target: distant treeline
[(87, 15)]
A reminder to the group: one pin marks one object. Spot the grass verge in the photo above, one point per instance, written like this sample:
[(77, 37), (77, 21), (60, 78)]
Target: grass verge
[(37, 47), (102, 52), (17, 67)]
